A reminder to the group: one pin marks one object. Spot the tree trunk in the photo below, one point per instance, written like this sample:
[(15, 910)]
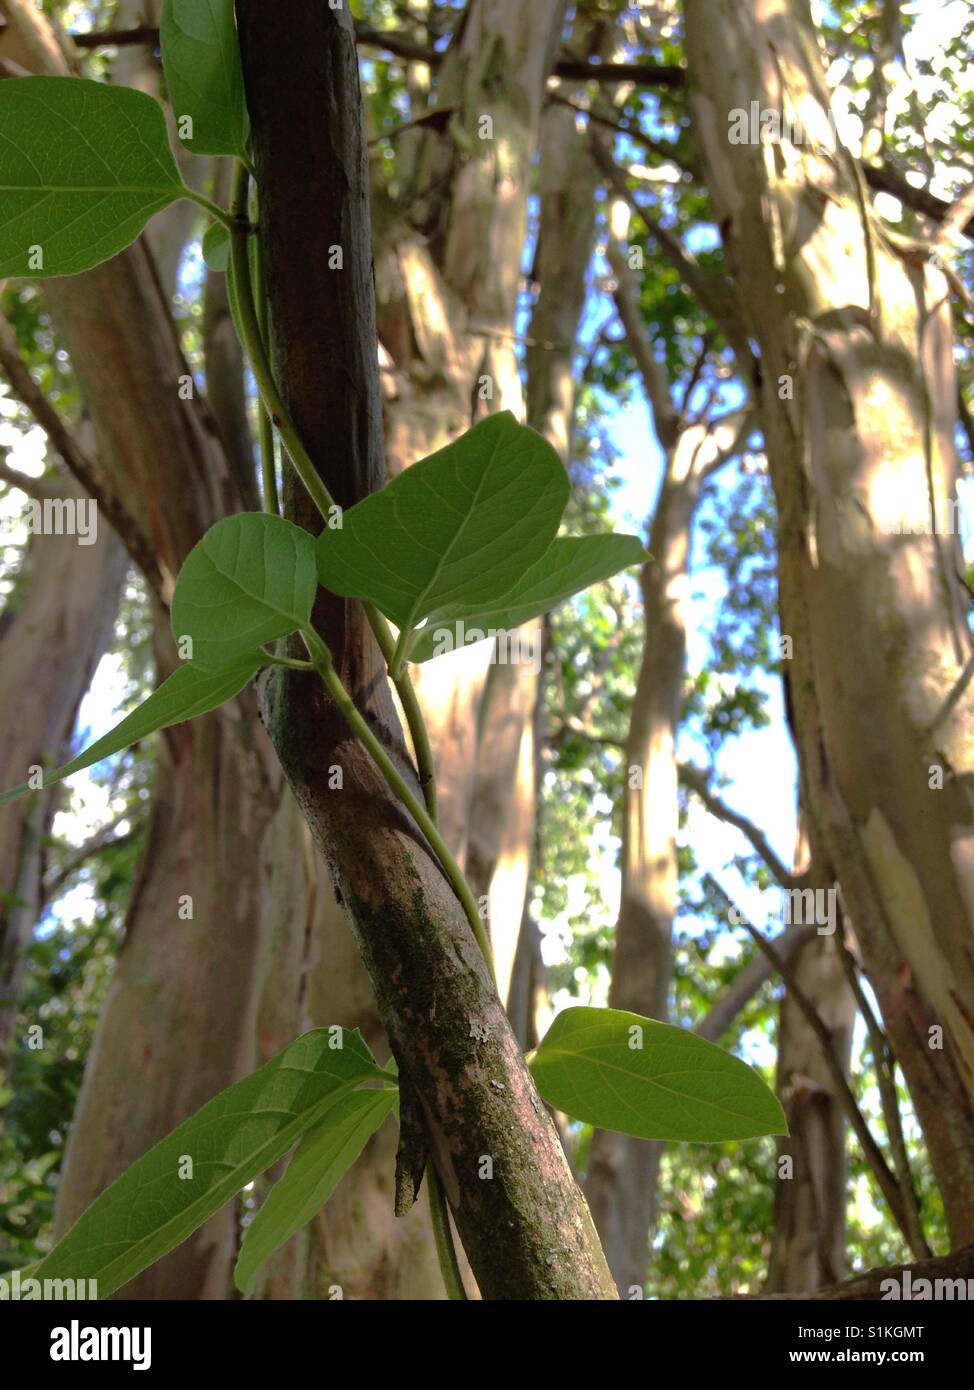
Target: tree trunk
[(879, 681), (623, 1172), (526, 1230), (808, 1241), (50, 645), (500, 843)]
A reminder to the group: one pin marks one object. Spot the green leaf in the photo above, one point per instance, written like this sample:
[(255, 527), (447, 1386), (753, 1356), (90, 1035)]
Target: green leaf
[(250, 579), (150, 1209), (568, 566), (323, 1157), (83, 166), (216, 247), (624, 1072), (189, 691), (201, 57), (460, 527)]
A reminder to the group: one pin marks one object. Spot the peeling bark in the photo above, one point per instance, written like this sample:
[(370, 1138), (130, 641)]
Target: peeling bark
[(879, 683)]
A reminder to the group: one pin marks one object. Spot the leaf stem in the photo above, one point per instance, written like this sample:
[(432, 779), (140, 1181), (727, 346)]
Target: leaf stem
[(322, 660), (410, 704), (443, 1237), (292, 663), (253, 342), (214, 209), (240, 230), (264, 427)]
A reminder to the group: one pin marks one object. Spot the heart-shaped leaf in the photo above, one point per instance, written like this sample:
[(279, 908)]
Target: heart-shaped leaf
[(164, 1196), (322, 1158), (249, 580), (621, 1071), (201, 56), (569, 565), (189, 692), (83, 166), (460, 527)]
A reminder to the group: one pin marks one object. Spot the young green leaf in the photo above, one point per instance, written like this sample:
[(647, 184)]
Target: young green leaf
[(201, 56), (460, 527), (83, 166), (216, 247), (568, 566), (188, 692), (250, 579), (621, 1071), (322, 1158), (164, 1196)]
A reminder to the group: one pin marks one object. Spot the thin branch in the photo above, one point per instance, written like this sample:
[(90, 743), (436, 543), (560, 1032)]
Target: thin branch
[(33, 487), (889, 1102), (402, 46), (696, 780), (437, 118), (742, 990), (639, 137), (656, 382), (642, 74), (883, 178), (100, 841), (959, 217), (874, 1157), (695, 372), (147, 34), (710, 293), (91, 478)]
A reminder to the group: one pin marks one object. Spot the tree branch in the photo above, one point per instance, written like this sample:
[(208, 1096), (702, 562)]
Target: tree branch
[(882, 178), (655, 380), (696, 780), (402, 46), (959, 1264), (33, 487), (739, 994), (873, 1154), (711, 294), (886, 1081), (88, 474)]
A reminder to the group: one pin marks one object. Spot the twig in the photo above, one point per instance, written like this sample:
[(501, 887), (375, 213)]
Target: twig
[(97, 486), (888, 1100), (885, 1178), (33, 487), (696, 780)]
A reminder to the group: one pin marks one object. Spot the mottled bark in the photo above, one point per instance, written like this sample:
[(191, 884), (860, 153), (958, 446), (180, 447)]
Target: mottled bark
[(526, 1230), (859, 407)]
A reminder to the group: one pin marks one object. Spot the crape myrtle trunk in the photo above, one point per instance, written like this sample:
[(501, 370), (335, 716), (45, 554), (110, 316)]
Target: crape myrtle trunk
[(522, 1219), (859, 404)]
